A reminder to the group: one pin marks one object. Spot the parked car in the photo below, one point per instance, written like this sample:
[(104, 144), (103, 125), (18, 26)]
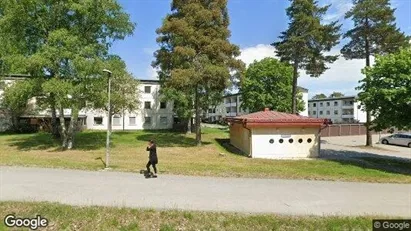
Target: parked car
[(403, 139)]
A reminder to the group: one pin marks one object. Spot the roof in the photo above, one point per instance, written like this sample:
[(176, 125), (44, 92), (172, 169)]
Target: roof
[(335, 98), (149, 80), (275, 118)]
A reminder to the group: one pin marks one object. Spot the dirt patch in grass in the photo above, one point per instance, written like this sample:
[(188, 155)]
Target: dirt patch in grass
[(64, 217)]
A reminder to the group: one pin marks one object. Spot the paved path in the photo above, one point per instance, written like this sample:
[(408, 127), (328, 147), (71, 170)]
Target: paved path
[(204, 193)]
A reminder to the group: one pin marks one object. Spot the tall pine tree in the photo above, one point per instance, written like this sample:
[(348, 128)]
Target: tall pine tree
[(304, 42), (196, 59), (374, 32)]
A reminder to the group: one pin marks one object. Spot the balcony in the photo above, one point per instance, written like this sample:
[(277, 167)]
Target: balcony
[(348, 116), (347, 106)]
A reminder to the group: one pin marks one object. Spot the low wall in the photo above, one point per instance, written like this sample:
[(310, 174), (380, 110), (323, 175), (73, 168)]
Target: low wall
[(350, 130)]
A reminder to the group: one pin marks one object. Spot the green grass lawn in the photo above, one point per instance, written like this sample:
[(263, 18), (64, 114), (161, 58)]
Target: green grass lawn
[(179, 155), (64, 217)]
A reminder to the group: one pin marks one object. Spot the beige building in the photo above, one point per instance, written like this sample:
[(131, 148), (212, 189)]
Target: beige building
[(276, 135)]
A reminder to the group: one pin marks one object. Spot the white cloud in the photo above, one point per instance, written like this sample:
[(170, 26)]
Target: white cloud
[(256, 53), (337, 10), (343, 75), (151, 73)]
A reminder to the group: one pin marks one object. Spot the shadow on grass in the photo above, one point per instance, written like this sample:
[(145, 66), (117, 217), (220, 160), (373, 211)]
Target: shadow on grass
[(41, 141), (225, 143), (169, 139), (365, 160)]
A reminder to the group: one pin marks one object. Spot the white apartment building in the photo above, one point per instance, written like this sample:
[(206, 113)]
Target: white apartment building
[(231, 107), (152, 113), (345, 109)]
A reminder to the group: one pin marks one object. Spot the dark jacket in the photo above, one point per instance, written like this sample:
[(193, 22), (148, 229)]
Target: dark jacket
[(153, 154)]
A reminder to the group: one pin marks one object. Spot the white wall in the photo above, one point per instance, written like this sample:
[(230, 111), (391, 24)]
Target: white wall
[(262, 148), (305, 99), (155, 113)]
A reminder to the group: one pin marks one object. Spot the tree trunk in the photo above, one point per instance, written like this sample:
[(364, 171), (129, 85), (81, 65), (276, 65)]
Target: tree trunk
[(54, 124), (294, 91), (72, 128), (63, 130), (189, 125), (198, 119), (368, 141)]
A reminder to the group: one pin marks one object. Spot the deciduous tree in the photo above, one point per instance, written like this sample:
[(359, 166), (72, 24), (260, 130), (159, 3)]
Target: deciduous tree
[(336, 94), (387, 91), (319, 96), (268, 83)]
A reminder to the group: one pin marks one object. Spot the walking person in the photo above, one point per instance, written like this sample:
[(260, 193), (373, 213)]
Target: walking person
[(152, 158)]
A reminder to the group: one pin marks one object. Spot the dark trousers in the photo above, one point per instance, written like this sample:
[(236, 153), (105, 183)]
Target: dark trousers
[(154, 166)]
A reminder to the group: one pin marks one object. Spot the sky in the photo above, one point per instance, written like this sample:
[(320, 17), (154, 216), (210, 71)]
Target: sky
[(254, 25)]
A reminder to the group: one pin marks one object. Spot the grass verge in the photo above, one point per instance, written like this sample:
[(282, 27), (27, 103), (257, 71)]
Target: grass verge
[(64, 217)]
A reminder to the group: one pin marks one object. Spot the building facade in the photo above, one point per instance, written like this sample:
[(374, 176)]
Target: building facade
[(345, 109), (153, 113), (231, 107)]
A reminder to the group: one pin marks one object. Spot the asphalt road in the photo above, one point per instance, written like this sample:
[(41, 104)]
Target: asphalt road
[(295, 197)]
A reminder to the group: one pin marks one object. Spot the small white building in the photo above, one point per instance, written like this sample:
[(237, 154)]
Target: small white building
[(276, 135), (346, 109)]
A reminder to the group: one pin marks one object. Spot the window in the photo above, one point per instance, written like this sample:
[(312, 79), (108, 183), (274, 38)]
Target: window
[(314, 113), (335, 112), (309, 113), (328, 104), (227, 100), (147, 89), (351, 102), (321, 104), (309, 140), (227, 109), (163, 105), (271, 141), (147, 105), (210, 110), (300, 140), (132, 120), (291, 141), (335, 103), (321, 112), (147, 120), (314, 105), (116, 120), (281, 141), (240, 98), (163, 120), (98, 120), (328, 112)]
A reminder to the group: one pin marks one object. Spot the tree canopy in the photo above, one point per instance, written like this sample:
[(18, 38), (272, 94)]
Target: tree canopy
[(336, 94), (306, 40), (268, 83), (66, 43), (319, 96), (196, 59), (387, 91)]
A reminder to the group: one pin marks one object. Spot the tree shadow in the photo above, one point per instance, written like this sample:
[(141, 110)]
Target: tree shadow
[(365, 160), (169, 139), (84, 141), (225, 143)]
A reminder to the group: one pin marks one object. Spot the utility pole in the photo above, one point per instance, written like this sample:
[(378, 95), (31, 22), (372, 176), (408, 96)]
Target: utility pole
[(109, 120)]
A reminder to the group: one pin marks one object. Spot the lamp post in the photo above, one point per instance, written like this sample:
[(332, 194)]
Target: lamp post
[(109, 119)]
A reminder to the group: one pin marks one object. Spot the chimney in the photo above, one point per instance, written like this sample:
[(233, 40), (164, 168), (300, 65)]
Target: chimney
[(266, 109)]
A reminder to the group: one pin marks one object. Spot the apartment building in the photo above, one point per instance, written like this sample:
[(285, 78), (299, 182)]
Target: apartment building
[(153, 113), (345, 109), (231, 107)]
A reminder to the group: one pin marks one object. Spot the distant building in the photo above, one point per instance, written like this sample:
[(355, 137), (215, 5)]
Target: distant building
[(152, 113), (231, 107), (345, 109)]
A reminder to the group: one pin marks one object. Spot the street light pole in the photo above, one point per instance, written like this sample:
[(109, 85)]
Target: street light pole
[(109, 119)]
